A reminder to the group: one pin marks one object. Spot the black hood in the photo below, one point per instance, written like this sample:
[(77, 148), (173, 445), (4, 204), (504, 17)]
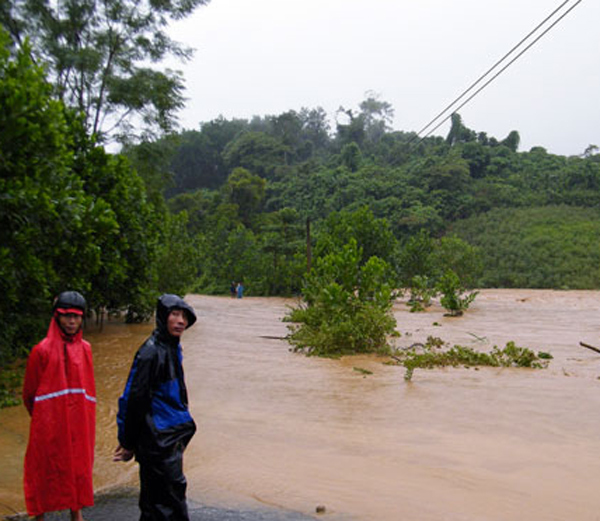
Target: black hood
[(167, 303)]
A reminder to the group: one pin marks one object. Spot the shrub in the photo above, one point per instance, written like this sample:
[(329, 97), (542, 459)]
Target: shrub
[(421, 293), (454, 299), (346, 307)]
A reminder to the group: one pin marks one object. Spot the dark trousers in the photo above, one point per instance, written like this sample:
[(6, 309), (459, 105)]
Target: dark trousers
[(162, 487)]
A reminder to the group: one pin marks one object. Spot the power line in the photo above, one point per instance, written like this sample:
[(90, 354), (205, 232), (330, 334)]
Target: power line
[(473, 85), (503, 68), (493, 67)]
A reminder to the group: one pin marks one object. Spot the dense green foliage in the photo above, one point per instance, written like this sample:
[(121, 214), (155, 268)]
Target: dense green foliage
[(347, 306), (540, 247), (97, 55), (432, 196), (72, 216)]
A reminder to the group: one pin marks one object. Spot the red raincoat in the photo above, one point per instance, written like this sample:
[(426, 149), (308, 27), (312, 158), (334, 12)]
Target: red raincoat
[(60, 395)]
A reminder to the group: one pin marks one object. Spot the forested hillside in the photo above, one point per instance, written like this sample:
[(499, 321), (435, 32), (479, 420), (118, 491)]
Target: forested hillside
[(248, 189)]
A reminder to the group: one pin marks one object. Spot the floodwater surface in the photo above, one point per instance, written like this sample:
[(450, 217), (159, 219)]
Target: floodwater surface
[(282, 429)]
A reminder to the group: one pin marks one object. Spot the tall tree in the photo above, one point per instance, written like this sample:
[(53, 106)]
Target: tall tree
[(373, 236), (245, 190), (49, 226), (377, 115), (258, 152), (316, 127), (350, 127), (459, 133), (97, 53), (369, 125), (512, 140)]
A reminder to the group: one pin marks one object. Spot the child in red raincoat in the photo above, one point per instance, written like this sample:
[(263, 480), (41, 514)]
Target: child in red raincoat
[(60, 395)]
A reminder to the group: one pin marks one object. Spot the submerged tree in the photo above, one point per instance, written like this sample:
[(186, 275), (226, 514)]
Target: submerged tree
[(455, 298), (347, 306)]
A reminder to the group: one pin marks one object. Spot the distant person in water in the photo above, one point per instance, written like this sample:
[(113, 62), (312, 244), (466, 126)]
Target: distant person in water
[(233, 289), (154, 423), (60, 395), (240, 290)]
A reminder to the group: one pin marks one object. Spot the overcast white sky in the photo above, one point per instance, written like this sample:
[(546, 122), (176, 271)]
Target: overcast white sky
[(261, 57)]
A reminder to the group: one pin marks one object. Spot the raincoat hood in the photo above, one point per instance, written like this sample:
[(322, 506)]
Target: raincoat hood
[(167, 303), (153, 409)]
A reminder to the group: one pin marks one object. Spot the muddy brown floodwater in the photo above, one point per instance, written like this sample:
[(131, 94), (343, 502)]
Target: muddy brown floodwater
[(279, 428)]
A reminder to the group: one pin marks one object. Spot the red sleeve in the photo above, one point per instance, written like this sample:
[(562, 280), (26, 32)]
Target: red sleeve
[(33, 374)]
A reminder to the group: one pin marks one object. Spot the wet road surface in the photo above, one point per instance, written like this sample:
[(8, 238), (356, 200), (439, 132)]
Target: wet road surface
[(122, 506)]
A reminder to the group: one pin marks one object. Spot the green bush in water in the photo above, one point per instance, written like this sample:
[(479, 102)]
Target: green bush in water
[(346, 307)]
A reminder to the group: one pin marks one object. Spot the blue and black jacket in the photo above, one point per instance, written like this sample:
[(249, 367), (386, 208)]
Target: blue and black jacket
[(153, 414)]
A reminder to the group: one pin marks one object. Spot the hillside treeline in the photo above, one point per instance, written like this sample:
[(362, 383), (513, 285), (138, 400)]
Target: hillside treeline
[(248, 188), (260, 200)]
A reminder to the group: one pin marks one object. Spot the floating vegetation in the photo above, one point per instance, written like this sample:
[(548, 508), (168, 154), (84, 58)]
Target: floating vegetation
[(436, 353)]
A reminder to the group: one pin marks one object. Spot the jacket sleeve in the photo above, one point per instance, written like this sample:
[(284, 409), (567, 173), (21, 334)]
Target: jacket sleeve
[(135, 402), (33, 374)]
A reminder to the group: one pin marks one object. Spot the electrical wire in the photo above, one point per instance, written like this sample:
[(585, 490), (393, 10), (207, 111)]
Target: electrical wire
[(474, 84), (503, 69), (493, 67)]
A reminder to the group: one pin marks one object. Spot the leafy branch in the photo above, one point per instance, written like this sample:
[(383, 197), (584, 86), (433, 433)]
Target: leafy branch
[(435, 353)]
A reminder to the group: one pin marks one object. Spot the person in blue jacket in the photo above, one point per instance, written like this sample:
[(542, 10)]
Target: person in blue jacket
[(154, 422)]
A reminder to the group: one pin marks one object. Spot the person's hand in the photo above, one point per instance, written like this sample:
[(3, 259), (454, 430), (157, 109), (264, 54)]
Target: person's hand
[(122, 454)]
